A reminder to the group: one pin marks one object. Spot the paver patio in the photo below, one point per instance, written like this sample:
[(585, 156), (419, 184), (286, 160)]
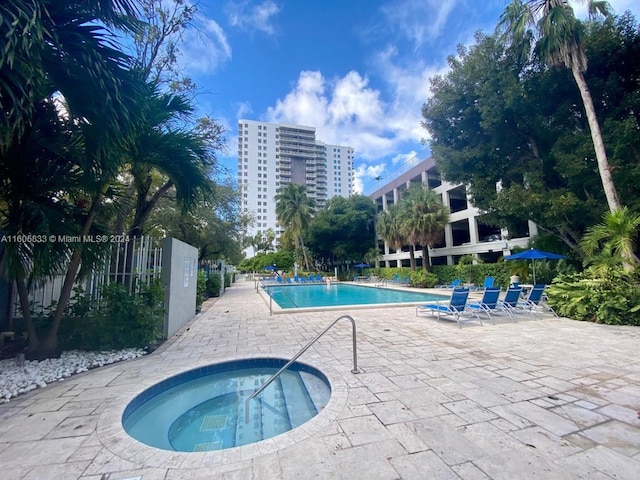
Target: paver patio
[(546, 399)]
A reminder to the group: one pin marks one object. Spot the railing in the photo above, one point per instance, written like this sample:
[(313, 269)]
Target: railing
[(283, 293), (297, 355)]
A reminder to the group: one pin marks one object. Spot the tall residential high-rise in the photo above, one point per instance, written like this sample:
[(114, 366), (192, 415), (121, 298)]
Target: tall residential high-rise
[(272, 155)]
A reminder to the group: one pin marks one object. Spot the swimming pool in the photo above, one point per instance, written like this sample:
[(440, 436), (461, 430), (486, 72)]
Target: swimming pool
[(204, 409), (341, 294)]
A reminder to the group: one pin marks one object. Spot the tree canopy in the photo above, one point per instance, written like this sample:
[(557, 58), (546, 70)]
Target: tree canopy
[(343, 230), (513, 130)]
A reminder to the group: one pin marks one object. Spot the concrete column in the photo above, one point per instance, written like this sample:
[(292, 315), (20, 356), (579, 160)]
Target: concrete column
[(473, 230), (445, 201), (448, 235)]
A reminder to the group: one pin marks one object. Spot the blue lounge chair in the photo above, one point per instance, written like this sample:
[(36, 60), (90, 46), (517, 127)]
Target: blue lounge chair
[(535, 300), (510, 301), (455, 308), (488, 283), (456, 283), (489, 303)]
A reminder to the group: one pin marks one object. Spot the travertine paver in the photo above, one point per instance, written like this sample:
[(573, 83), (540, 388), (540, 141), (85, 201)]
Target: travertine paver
[(537, 399)]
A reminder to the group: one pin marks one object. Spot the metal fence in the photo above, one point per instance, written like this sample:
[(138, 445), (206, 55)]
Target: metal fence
[(134, 263)]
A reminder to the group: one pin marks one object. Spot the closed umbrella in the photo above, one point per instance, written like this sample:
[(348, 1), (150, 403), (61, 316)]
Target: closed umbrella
[(533, 255)]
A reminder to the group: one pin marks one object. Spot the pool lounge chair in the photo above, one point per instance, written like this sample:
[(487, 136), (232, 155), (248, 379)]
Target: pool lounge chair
[(489, 304), (534, 302), (488, 283), (398, 280), (510, 301), (455, 308), (456, 283)]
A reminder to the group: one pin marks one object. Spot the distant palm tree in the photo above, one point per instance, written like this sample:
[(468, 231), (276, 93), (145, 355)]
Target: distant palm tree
[(615, 237), (388, 226), (294, 211), (551, 26), (424, 218)]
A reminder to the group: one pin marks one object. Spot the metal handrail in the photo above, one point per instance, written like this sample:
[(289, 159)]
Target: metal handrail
[(302, 350), (272, 293)]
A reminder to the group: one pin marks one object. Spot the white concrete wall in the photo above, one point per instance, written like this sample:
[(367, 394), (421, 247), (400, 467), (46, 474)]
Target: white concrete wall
[(180, 279)]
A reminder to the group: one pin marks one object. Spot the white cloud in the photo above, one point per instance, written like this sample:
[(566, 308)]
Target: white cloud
[(409, 18), (410, 158), (205, 48), (366, 172), (253, 17), (243, 109), (347, 111)]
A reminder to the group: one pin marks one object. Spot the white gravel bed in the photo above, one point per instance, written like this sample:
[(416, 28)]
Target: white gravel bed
[(16, 379)]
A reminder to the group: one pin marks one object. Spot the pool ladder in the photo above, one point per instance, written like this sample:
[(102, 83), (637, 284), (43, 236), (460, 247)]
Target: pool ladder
[(297, 355)]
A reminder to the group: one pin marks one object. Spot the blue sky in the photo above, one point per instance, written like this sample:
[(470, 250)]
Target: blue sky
[(357, 70)]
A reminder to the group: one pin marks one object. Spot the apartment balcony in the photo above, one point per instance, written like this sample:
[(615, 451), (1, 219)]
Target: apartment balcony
[(297, 152), (297, 135)]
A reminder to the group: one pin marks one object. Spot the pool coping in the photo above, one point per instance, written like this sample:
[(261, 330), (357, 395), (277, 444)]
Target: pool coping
[(113, 436), (276, 309)]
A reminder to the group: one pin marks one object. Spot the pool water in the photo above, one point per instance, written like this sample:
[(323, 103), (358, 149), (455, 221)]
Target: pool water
[(339, 294), (204, 409)]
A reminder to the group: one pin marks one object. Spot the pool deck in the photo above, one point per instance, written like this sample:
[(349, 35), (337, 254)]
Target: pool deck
[(538, 399)]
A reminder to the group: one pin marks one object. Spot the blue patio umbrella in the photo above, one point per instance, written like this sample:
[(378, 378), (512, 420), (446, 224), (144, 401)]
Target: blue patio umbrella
[(362, 266), (533, 255), (270, 267)]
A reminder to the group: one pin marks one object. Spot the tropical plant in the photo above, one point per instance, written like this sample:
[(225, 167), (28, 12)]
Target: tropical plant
[(49, 76), (343, 230), (120, 319), (613, 239), (423, 218), (465, 267), (294, 211), (552, 27), (613, 299), (62, 48), (162, 156), (388, 224)]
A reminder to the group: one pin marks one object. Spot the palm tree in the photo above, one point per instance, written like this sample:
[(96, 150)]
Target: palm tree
[(294, 211), (557, 35), (615, 237), (58, 48), (62, 77), (423, 219), (388, 226), (163, 156)]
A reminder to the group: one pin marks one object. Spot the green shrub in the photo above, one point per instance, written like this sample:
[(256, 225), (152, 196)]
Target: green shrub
[(118, 320), (420, 278), (612, 299), (201, 289), (214, 284)]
